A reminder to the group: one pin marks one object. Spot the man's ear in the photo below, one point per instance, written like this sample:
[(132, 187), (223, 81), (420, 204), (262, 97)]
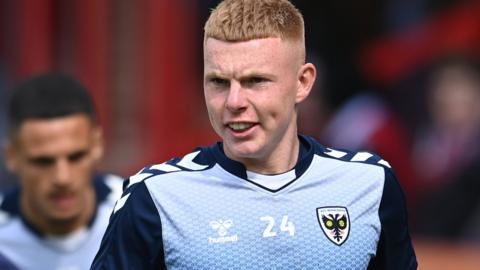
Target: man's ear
[(306, 77), (98, 144), (11, 159)]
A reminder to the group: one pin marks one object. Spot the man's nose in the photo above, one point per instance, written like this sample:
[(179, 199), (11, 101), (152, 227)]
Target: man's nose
[(62, 172), (236, 99)]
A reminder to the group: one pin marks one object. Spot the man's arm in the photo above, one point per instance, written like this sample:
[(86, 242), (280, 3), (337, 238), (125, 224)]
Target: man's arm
[(133, 239), (394, 250)]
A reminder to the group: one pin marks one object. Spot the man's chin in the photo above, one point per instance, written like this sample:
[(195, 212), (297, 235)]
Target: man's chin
[(242, 153), (63, 218)]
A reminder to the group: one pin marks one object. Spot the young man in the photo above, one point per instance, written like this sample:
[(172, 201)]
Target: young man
[(265, 197), (56, 216)]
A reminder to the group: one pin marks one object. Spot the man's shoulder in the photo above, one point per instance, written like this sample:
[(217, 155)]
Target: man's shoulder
[(198, 160), (108, 188), (9, 207), (174, 169), (14, 236), (349, 156)]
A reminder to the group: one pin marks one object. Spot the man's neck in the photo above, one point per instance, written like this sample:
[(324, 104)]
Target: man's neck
[(56, 226), (280, 160)]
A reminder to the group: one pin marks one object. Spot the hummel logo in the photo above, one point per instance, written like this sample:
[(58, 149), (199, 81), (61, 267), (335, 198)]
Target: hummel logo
[(222, 226)]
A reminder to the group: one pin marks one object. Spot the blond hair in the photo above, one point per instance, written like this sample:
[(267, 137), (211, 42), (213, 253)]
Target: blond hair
[(243, 20)]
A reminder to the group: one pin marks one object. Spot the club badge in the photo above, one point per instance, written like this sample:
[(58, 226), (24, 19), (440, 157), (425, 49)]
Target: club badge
[(335, 223)]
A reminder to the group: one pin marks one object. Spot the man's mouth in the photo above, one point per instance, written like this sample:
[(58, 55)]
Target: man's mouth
[(240, 126), (63, 200)]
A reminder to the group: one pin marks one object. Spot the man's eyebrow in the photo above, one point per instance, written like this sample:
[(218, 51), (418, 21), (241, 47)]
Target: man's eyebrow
[(254, 74), (77, 154), (213, 75), (41, 160)]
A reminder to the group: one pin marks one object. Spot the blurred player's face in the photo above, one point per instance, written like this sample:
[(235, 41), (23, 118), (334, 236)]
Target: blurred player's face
[(454, 100), (54, 160), (252, 89)]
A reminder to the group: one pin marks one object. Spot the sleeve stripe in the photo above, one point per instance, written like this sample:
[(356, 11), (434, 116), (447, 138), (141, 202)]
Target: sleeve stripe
[(335, 153), (384, 163), (120, 203), (187, 162), (137, 178), (361, 156), (165, 167)]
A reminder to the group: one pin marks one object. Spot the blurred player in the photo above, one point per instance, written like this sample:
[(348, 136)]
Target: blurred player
[(56, 216), (265, 197)]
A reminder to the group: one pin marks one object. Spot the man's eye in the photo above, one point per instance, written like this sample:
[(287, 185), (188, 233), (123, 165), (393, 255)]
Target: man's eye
[(252, 81), (219, 82), (77, 156), (257, 80), (42, 161)]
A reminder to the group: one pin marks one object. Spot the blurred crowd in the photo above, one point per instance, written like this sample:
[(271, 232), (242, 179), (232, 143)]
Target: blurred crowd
[(437, 159), (415, 102), (398, 78)]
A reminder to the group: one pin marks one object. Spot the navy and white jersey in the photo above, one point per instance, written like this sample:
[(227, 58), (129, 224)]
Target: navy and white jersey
[(334, 210), (22, 247)]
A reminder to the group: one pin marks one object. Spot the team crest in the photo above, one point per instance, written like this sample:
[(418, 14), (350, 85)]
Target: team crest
[(335, 223)]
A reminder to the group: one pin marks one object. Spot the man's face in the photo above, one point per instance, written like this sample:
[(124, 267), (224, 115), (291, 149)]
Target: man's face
[(454, 99), (251, 91), (54, 160)]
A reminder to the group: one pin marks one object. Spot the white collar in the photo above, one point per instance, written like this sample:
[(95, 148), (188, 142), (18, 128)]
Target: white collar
[(272, 182), (69, 242)]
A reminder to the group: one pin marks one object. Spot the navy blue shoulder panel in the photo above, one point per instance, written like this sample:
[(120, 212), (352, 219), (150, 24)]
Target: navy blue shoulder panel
[(10, 202), (217, 155), (395, 249), (234, 167), (133, 239), (5, 264), (200, 155), (348, 155), (101, 189), (200, 159)]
